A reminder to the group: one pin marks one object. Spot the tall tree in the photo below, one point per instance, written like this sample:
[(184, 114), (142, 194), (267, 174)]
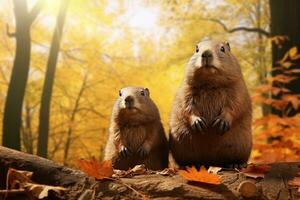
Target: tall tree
[(285, 21), (49, 80), (19, 75)]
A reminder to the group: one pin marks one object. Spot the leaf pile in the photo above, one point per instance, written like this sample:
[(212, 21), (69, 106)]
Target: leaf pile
[(19, 182), (202, 176)]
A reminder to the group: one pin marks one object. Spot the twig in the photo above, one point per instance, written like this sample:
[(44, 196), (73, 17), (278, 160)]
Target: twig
[(128, 186), (12, 192), (8, 33)]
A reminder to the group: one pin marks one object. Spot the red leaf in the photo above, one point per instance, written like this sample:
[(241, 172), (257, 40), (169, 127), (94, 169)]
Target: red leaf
[(96, 169), (256, 171)]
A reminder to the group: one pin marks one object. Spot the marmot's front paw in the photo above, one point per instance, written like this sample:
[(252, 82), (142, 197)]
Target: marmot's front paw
[(125, 152), (221, 125), (142, 152), (199, 124)]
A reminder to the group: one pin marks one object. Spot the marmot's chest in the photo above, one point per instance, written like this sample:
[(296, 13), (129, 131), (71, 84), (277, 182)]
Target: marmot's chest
[(133, 137), (210, 102)]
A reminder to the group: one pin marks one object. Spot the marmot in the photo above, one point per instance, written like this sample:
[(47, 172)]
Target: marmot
[(136, 134), (211, 118)]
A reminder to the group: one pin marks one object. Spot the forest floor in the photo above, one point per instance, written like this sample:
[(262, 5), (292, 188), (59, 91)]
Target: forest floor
[(67, 183)]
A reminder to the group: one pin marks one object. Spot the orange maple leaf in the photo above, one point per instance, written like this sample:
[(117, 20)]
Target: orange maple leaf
[(96, 169), (202, 176)]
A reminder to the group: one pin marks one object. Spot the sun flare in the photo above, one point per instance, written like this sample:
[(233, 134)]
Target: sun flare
[(143, 18)]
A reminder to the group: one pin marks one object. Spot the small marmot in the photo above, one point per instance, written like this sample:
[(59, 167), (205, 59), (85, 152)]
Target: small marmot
[(136, 134), (211, 118)]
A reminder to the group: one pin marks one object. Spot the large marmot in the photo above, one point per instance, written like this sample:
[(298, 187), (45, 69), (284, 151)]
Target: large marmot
[(210, 122), (136, 134)]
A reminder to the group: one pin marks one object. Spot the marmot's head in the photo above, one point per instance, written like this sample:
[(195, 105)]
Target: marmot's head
[(134, 105), (213, 61)]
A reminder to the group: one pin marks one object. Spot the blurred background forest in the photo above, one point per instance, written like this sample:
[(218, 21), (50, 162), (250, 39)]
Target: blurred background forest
[(62, 64)]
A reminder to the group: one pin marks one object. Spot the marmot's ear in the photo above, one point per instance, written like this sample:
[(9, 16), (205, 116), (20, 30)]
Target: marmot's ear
[(227, 43), (147, 91)]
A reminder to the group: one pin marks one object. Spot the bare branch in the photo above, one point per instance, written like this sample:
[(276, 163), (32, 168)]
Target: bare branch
[(94, 112), (241, 28), (232, 30), (35, 10), (8, 33)]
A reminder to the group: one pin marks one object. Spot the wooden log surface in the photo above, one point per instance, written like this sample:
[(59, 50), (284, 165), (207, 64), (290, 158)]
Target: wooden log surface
[(154, 186), (45, 171)]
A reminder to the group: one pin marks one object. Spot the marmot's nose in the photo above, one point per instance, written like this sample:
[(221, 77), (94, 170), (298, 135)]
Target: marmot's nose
[(129, 99), (207, 54)]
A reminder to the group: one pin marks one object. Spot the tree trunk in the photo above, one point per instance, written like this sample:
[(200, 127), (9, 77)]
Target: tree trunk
[(261, 54), (17, 84), (285, 20), (49, 80), (26, 128)]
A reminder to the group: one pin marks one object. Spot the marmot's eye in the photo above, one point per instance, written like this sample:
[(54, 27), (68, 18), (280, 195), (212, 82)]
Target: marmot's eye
[(197, 49), (142, 93), (222, 49), (120, 93)]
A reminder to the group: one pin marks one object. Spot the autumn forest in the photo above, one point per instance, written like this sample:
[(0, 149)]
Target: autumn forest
[(62, 64)]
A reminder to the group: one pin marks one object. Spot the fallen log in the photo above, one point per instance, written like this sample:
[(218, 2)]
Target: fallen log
[(45, 171), (234, 185)]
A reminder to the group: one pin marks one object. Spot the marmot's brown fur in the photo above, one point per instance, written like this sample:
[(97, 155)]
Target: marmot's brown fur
[(210, 122), (136, 134)]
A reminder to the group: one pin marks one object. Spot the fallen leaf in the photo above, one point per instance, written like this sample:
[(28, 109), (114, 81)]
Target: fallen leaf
[(17, 178), (168, 172), (136, 170), (214, 170), (42, 191), (96, 169), (256, 171), (121, 173), (295, 182), (202, 176)]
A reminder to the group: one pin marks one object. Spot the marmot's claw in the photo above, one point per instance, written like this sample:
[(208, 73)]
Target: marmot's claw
[(142, 151), (199, 124), (125, 152), (221, 125)]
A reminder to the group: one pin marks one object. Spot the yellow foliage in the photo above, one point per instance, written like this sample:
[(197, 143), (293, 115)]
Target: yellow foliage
[(115, 44)]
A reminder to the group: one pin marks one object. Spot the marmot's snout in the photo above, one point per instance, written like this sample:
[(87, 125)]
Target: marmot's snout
[(129, 102), (206, 58)]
